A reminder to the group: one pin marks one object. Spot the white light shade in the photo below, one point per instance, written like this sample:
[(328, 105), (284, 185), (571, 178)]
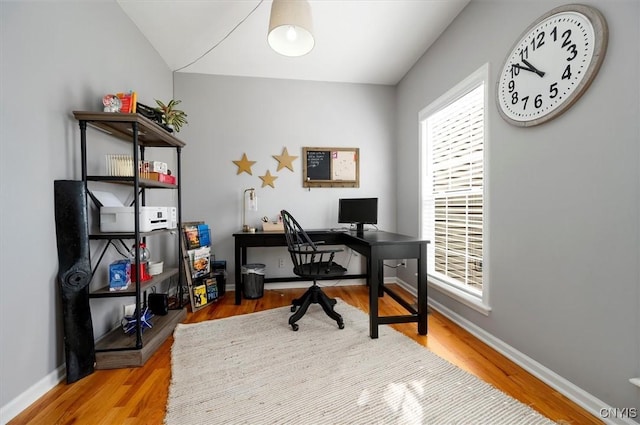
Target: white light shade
[(290, 27)]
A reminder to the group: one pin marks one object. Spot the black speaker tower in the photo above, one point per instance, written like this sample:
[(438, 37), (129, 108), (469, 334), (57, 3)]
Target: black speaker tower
[(74, 275)]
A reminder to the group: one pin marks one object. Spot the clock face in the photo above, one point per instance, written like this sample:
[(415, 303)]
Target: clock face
[(551, 65)]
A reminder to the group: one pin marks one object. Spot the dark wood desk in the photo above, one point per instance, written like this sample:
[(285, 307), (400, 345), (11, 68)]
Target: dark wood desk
[(376, 246)]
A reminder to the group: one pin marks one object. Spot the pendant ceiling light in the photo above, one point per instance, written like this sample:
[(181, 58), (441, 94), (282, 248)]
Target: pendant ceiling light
[(290, 27)]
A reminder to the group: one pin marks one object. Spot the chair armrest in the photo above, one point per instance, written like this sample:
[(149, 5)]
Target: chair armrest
[(329, 251)]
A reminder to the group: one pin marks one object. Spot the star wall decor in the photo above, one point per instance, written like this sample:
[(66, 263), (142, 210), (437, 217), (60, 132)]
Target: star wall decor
[(285, 160), (244, 165), (267, 179)]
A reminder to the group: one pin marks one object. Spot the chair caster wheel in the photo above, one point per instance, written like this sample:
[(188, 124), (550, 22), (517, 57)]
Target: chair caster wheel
[(340, 325), (293, 308), (294, 326)]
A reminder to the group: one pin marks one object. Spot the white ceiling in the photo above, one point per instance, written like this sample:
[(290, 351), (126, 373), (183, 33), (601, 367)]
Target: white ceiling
[(357, 41)]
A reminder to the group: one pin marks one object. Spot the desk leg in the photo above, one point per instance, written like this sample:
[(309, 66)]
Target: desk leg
[(422, 290), (381, 278), (239, 251), (374, 280)]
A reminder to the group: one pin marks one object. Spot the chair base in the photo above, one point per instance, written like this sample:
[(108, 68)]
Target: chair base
[(314, 295)]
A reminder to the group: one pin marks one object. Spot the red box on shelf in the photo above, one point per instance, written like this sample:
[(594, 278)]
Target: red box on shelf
[(162, 178)]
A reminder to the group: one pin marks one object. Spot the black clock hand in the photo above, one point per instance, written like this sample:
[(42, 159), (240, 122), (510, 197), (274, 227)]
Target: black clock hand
[(533, 68), (517, 65)]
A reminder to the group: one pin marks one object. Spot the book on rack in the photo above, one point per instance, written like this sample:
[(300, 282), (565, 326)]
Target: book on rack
[(200, 295), (204, 234), (192, 237), (200, 261), (212, 289)]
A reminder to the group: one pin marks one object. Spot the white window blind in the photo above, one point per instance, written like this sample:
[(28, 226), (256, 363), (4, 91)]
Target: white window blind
[(453, 190)]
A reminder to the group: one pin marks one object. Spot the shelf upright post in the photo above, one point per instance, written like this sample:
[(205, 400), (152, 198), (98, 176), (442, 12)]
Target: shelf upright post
[(143, 194), (179, 292), (83, 149), (136, 221)]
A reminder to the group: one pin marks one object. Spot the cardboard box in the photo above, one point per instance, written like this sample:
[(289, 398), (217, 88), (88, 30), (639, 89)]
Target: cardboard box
[(273, 227)]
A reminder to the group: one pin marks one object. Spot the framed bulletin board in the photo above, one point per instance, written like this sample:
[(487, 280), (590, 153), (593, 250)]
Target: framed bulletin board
[(331, 167)]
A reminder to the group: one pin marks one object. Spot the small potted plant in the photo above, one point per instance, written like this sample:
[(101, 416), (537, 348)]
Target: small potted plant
[(173, 118)]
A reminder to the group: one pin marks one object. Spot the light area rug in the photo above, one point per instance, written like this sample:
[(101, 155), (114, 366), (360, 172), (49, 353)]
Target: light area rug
[(253, 369)]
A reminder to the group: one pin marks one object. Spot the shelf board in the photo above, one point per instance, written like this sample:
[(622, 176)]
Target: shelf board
[(144, 183), (127, 235), (121, 126), (117, 349), (104, 292)]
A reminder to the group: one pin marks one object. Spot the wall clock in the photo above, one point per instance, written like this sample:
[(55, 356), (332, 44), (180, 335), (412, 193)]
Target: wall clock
[(551, 65)]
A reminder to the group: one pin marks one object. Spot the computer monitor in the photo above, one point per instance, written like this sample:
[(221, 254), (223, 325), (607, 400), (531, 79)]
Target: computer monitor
[(358, 211)]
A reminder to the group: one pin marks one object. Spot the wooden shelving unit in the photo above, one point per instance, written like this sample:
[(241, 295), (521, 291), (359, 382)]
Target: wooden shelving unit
[(117, 349)]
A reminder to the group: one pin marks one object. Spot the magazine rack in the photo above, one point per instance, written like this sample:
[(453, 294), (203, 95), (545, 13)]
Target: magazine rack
[(199, 275)]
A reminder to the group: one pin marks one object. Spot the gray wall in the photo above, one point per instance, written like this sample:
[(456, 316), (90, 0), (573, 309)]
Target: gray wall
[(563, 198), (229, 116), (55, 57)]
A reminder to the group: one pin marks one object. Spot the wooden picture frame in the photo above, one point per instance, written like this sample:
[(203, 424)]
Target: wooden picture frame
[(330, 167)]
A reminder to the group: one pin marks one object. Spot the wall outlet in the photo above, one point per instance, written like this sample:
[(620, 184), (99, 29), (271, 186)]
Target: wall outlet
[(404, 263), (281, 262)]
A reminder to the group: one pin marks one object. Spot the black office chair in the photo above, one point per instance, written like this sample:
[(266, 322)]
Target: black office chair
[(312, 263)]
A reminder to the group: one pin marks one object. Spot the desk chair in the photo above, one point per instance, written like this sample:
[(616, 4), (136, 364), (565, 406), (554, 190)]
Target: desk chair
[(313, 263)]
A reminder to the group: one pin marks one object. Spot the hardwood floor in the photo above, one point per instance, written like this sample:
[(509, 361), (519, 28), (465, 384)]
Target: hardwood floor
[(139, 395)]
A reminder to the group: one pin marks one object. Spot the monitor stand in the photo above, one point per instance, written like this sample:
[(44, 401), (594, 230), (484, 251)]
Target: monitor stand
[(359, 228)]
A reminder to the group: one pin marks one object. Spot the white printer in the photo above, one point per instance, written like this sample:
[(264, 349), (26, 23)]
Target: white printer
[(115, 217), (120, 219)]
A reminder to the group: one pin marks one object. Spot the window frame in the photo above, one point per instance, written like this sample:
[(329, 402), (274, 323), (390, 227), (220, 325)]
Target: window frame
[(457, 291)]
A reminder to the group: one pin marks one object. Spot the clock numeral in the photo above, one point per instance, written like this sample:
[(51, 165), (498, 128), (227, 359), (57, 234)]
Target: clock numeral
[(524, 53), (512, 86), (574, 52), (567, 38), (515, 71), (538, 101), (553, 90), (537, 41), (554, 33), (566, 75)]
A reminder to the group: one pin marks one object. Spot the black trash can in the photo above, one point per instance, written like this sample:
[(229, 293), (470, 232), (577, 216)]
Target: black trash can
[(253, 280)]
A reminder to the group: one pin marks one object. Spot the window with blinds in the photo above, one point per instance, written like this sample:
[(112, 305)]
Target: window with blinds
[(453, 187)]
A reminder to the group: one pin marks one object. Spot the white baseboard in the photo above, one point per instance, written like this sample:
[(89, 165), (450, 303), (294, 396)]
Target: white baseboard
[(579, 396), (27, 398)]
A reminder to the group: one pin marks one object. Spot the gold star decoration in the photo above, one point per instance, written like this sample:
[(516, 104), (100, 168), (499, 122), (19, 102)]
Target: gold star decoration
[(285, 160), (267, 179), (244, 165)]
